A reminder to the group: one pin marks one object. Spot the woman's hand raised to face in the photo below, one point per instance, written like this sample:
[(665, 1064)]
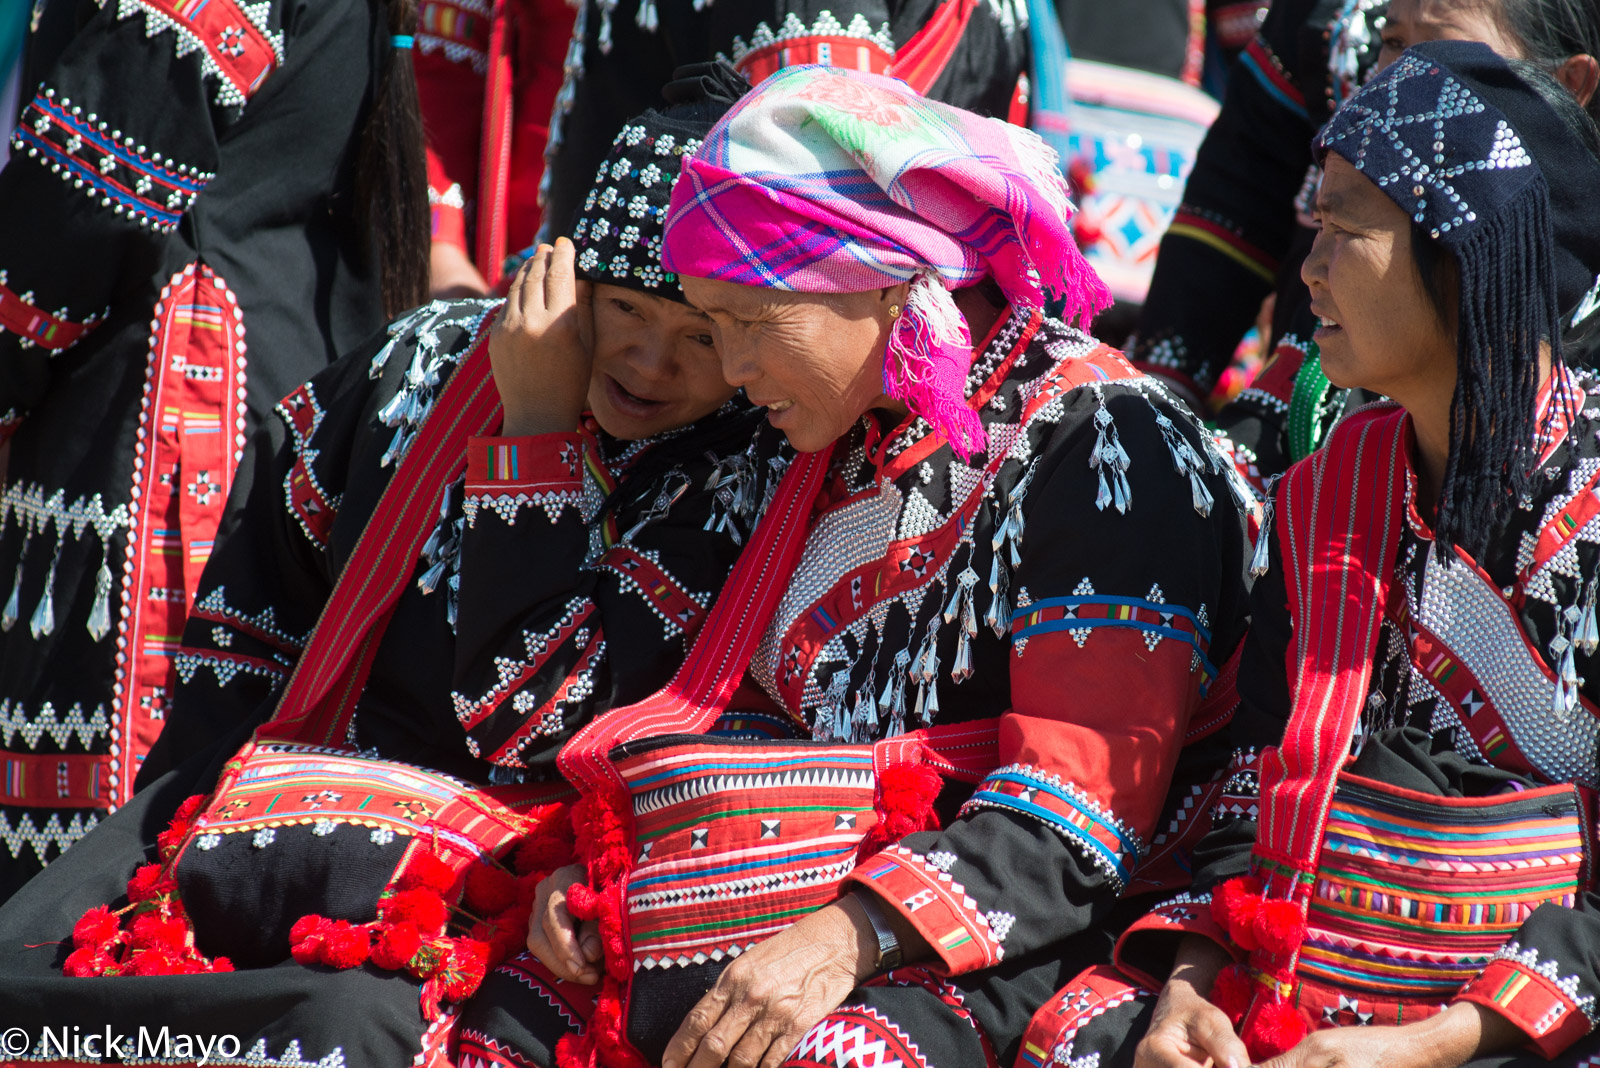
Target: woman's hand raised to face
[(767, 999), (542, 344), (569, 949)]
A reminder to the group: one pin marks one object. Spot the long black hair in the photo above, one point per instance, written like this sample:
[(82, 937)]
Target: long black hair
[(1551, 31), (391, 168), (1499, 292)]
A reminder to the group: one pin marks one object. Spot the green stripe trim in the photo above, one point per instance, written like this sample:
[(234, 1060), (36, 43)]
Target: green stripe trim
[(748, 812), (1410, 892), (722, 926)]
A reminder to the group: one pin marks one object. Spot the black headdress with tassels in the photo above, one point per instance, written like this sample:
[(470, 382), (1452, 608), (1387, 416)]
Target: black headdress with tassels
[(1463, 145)]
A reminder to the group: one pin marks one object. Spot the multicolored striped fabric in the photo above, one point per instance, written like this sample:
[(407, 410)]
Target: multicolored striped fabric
[(1415, 893), (737, 840)]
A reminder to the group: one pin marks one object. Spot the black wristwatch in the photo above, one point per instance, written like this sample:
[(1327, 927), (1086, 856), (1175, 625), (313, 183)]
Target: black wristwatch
[(889, 954)]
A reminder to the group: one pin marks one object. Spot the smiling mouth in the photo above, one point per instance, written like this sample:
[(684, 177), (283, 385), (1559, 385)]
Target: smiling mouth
[(628, 402), (780, 406)]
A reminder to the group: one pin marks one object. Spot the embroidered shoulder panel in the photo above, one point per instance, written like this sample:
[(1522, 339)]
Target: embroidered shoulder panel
[(238, 48)]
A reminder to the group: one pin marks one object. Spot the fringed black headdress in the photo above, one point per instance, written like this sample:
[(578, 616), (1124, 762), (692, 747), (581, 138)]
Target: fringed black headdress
[(1463, 145), (618, 232)]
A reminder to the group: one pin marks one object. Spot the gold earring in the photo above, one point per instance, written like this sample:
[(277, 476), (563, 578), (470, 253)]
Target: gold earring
[(894, 311)]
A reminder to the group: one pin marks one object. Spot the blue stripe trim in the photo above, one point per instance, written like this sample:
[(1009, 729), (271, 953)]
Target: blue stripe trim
[(1132, 602), (1060, 826), (92, 178), (111, 148), (1055, 625), (1249, 63), (1128, 845)]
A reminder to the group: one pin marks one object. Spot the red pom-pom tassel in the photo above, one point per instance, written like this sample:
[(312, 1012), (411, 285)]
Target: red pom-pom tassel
[(490, 889), (1232, 992), (906, 794), (427, 872), (1279, 927), (1234, 905), (1274, 1028)]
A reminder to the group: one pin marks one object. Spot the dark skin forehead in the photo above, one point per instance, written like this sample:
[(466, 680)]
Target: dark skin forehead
[(661, 305), (1348, 198)]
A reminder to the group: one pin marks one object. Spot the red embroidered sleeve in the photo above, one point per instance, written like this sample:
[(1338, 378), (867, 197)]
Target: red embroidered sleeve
[(1534, 997), (506, 474), (921, 889)]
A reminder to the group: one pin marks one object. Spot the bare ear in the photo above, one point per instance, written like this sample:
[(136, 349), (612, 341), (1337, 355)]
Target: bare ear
[(1581, 75), (895, 294)]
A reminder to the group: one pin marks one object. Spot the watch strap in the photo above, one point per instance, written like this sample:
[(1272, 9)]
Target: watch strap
[(889, 952)]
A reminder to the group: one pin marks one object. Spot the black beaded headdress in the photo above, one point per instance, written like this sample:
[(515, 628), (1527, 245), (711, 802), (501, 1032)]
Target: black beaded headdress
[(618, 231), (1458, 140)]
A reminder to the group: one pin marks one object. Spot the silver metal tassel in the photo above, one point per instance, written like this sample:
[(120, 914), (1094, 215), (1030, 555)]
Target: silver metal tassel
[(1186, 461), (837, 712), (1261, 559), (1587, 635), (1567, 685), (866, 713), (998, 617), (1110, 462), (893, 701), (99, 624), (13, 609), (43, 622)]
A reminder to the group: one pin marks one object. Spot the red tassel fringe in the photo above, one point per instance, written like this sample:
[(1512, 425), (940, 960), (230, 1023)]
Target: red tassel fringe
[(1275, 1028), (1232, 992), (906, 794)]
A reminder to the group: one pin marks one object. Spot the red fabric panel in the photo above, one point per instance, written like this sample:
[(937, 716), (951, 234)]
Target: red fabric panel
[(1101, 716)]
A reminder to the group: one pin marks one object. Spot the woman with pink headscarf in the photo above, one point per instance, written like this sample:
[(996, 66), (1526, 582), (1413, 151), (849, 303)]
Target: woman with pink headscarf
[(1002, 549)]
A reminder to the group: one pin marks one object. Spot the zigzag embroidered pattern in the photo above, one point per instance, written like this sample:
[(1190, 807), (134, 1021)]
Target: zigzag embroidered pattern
[(27, 833), (14, 721), (1406, 905), (856, 1036), (225, 666)]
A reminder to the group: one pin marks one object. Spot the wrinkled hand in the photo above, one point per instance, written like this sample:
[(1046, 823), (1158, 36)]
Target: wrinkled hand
[(1187, 1031), (541, 345), (1450, 1039), (767, 999), (569, 949)]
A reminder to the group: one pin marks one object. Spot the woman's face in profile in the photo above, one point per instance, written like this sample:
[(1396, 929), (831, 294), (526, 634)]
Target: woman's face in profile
[(814, 361), (1378, 328)]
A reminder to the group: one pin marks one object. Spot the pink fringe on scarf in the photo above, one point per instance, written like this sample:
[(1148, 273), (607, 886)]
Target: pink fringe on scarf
[(925, 365)]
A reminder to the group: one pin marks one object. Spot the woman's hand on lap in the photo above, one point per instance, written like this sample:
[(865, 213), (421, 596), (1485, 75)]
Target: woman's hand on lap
[(767, 999), (542, 343), (1461, 1033), (1186, 1030), (569, 949)]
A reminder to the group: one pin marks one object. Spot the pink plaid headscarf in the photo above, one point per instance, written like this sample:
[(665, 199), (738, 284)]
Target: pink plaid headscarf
[(825, 180)]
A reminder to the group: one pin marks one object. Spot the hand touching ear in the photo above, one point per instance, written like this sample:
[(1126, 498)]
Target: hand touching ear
[(541, 346)]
